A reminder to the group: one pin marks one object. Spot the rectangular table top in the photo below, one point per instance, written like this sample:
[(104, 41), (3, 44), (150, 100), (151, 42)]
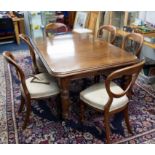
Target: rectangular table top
[(71, 54)]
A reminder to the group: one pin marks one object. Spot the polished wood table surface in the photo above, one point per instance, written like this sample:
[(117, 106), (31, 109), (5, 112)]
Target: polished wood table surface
[(72, 56)]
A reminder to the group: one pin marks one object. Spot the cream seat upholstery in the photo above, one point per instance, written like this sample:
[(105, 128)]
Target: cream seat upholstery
[(42, 90), (109, 98), (36, 87), (97, 96)]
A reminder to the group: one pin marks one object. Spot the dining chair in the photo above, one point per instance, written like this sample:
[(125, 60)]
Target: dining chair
[(37, 65), (111, 29), (39, 86), (55, 28), (133, 42), (109, 97)]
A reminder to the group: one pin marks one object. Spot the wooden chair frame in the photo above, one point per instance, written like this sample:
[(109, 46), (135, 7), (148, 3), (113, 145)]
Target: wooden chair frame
[(109, 28), (55, 26), (132, 72), (25, 95), (136, 37), (27, 40)]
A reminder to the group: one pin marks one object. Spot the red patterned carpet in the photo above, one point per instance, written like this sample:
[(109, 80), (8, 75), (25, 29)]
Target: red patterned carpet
[(45, 127)]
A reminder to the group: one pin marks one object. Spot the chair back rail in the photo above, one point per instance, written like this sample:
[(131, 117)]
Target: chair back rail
[(134, 37), (55, 27), (11, 60), (109, 28), (27, 40), (131, 72)]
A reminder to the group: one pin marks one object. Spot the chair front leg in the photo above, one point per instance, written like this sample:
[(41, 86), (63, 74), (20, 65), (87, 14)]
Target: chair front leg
[(107, 128), (59, 107), (28, 111), (82, 109), (126, 116), (21, 104)]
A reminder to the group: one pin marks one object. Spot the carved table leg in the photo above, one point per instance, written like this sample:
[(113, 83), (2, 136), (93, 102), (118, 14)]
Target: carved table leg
[(64, 86)]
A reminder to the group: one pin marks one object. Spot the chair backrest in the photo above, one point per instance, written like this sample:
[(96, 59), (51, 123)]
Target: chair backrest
[(55, 28), (27, 40), (11, 60), (136, 40), (109, 28), (131, 72)]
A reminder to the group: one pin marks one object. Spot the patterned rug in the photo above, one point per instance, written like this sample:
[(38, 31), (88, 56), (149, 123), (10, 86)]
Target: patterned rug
[(45, 127)]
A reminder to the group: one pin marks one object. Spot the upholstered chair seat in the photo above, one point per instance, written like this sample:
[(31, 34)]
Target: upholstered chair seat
[(39, 86), (42, 87), (110, 98), (97, 96)]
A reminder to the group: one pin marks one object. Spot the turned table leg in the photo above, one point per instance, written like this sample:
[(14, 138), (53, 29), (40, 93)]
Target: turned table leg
[(64, 86)]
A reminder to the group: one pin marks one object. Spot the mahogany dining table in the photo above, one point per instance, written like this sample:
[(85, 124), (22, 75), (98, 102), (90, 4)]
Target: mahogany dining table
[(75, 56)]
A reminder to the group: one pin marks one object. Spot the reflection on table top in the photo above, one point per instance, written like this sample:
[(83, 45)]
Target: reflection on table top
[(71, 54)]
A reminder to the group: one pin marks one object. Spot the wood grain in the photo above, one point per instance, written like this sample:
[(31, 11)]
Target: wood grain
[(74, 53), (72, 56)]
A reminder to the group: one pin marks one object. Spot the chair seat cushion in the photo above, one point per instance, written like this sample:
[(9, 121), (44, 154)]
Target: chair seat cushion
[(42, 90), (97, 96)]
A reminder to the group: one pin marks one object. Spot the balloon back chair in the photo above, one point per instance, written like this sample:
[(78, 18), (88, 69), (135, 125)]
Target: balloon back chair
[(136, 42), (109, 97), (37, 87), (37, 65), (55, 28), (111, 29)]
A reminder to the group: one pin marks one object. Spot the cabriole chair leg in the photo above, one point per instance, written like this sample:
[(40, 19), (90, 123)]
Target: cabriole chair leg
[(22, 104), (126, 117), (27, 117), (82, 109), (107, 129), (59, 107)]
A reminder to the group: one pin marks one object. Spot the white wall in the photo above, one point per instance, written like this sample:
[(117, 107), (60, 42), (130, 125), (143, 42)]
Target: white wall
[(142, 15), (148, 16)]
